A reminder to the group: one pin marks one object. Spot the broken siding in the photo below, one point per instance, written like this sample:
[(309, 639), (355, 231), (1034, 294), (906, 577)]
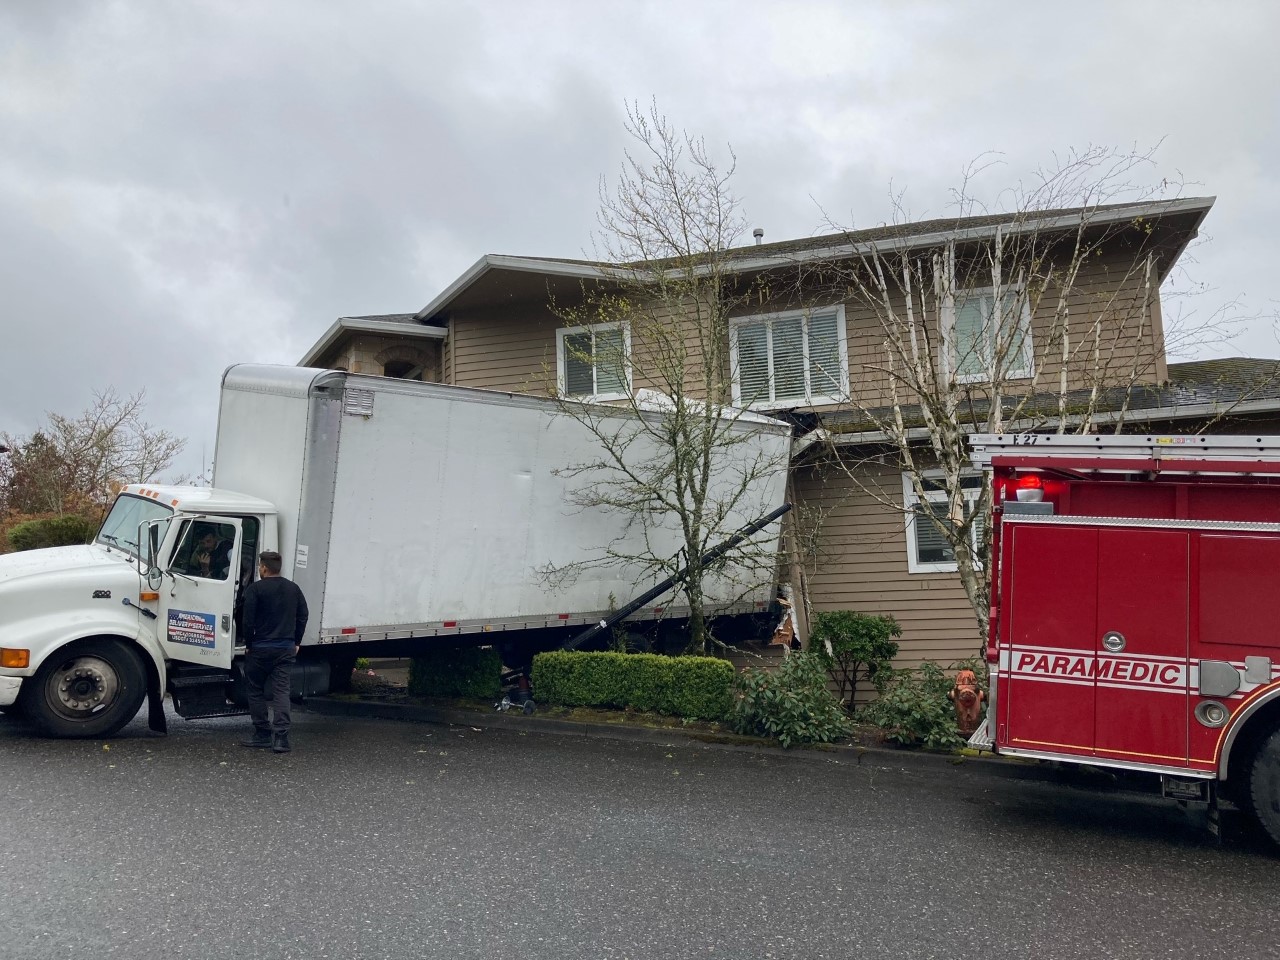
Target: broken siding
[(860, 564)]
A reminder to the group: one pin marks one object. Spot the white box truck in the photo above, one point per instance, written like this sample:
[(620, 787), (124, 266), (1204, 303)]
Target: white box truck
[(407, 512)]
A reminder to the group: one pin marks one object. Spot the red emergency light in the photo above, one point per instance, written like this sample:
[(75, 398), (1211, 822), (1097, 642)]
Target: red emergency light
[(1029, 488)]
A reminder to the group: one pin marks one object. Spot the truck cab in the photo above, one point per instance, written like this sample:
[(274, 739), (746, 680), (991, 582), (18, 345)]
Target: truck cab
[(86, 632)]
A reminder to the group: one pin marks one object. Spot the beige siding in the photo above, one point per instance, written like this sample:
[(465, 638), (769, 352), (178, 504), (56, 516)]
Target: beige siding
[(1111, 334), (860, 563), (504, 348)]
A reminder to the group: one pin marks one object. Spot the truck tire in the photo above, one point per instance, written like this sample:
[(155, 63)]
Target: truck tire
[(1264, 786), (90, 688)]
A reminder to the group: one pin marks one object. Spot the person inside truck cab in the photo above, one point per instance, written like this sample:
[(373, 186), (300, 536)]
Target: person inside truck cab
[(209, 557)]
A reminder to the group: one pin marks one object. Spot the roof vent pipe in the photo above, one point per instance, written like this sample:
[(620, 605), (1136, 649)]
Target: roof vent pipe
[(758, 233)]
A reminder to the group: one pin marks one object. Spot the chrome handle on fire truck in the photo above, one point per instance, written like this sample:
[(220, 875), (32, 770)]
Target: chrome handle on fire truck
[(1113, 641)]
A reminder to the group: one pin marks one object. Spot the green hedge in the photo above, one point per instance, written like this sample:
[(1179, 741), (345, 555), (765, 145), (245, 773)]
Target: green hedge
[(456, 672), (64, 531), (699, 688)]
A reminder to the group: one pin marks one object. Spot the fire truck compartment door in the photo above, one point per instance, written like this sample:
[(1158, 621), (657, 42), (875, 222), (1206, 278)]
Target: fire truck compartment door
[(1049, 629), (1144, 582), (1096, 642)]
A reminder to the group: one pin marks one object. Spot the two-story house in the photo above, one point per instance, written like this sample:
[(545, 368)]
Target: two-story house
[(872, 343)]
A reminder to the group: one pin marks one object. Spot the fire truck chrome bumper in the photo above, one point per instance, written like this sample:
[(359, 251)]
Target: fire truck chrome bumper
[(981, 738), (9, 690)]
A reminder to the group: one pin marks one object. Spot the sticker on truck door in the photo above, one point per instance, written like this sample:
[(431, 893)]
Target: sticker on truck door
[(193, 629)]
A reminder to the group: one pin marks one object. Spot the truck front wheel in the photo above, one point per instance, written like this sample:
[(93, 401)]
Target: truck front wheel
[(1264, 785), (90, 688)]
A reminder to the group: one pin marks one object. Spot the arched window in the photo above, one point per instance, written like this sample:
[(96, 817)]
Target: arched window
[(402, 370)]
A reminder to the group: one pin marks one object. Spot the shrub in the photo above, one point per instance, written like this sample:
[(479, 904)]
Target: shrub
[(64, 531), (694, 687), (914, 709), (792, 704), (456, 672), (860, 645)]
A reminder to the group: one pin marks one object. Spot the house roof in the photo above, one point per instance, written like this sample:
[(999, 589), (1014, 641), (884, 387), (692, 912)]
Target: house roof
[(401, 324), (497, 269), (1199, 389)]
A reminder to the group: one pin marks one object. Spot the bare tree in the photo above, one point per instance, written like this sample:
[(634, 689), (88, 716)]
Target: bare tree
[(654, 338), (1044, 316), (77, 464)]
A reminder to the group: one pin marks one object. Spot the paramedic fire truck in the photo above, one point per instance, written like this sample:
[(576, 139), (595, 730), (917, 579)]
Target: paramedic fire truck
[(1135, 608)]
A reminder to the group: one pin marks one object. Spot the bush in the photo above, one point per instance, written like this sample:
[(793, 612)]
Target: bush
[(861, 648), (65, 531), (699, 688), (792, 704), (456, 672), (915, 711)]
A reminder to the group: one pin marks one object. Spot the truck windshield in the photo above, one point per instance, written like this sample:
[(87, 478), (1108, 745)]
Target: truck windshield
[(120, 529)]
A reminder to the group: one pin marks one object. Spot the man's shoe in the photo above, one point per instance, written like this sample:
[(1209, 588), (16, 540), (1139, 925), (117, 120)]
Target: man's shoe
[(259, 740), (281, 743)]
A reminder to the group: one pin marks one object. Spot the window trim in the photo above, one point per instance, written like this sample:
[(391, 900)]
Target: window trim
[(562, 373), (809, 399), (909, 502), (1028, 352)]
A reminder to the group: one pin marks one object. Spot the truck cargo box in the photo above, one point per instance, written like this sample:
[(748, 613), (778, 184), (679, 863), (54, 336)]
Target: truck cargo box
[(417, 509)]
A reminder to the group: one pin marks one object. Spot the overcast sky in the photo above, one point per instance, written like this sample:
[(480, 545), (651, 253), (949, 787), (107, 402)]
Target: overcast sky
[(187, 185)]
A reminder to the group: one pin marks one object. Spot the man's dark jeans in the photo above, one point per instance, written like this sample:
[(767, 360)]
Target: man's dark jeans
[(267, 674)]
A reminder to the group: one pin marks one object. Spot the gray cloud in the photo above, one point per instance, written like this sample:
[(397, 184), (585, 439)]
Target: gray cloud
[(183, 186)]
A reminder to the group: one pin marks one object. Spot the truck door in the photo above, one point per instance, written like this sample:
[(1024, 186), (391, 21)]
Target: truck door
[(1143, 644), (198, 593), (1048, 642), (1096, 642)]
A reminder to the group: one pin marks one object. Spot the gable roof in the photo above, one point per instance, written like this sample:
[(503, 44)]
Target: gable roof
[(895, 237)]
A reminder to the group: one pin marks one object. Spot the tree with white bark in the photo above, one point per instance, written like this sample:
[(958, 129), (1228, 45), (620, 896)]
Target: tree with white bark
[(653, 338), (1042, 317)]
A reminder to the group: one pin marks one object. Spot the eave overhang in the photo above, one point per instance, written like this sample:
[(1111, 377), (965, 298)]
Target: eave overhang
[(348, 325)]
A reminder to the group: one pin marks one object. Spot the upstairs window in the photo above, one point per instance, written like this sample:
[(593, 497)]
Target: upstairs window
[(788, 359), (594, 363), (928, 551), (990, 344)]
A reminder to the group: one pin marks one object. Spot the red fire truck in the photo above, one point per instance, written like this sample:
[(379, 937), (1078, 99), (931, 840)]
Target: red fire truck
[(1135, 609)]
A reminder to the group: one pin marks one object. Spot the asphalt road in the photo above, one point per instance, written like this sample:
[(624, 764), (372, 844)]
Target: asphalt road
[(378, 839)]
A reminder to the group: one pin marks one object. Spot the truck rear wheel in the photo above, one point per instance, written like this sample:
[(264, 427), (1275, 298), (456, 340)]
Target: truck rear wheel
[(90, 688), (1264, 785)]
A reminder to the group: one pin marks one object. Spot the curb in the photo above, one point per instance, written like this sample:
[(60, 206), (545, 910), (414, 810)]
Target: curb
[(859, 754)]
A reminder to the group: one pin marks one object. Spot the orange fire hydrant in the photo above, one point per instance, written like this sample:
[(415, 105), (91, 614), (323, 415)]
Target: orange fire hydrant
[(967, 697)]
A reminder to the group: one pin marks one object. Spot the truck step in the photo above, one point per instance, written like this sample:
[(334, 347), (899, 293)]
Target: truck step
[(200, 695), (981, 738)]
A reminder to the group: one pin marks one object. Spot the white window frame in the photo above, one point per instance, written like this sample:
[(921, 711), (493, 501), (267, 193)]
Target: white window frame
[(562, 379), (842, 349), (909, 502), (1028, 352)]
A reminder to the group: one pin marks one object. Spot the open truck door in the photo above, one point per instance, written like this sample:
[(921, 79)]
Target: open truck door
[(199, 591)]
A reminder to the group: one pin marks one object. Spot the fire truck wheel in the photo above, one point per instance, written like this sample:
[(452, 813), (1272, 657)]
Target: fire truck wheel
[(90, 688), (1264, 786)]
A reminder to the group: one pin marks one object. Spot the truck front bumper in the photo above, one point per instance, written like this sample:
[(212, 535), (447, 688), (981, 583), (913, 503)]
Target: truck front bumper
[(9, 690)]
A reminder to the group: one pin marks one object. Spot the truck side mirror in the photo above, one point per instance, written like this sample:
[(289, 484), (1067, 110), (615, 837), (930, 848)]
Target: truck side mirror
[(155, 576)]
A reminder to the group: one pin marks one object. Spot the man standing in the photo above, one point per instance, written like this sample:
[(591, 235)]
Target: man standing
[(274, 618)]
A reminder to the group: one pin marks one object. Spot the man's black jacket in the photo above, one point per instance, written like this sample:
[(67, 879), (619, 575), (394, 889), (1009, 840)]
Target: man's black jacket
[(275, 612)]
